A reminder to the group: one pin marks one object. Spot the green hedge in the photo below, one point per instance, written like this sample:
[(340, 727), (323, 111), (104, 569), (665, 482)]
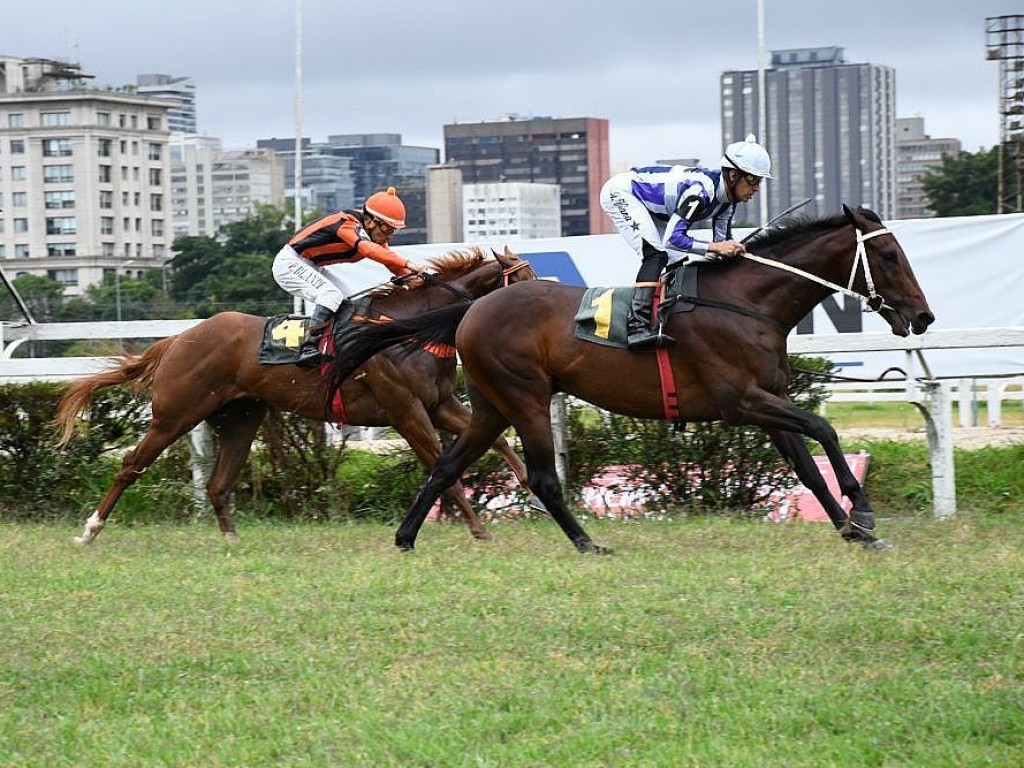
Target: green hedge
[(293, 474)]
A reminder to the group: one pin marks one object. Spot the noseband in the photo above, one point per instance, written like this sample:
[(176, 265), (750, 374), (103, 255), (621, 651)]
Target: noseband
[(874, 301)]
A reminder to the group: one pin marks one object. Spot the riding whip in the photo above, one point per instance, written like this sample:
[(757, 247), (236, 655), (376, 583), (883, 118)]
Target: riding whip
[(785, 213)]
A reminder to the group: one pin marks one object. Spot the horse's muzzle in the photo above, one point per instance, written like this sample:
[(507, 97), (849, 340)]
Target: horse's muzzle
[(921, 321)]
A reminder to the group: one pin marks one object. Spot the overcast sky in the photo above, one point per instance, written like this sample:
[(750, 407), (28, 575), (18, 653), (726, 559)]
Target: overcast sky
[(410, 66)]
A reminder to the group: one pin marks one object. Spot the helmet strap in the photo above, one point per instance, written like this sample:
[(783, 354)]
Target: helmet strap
[(730, 186)]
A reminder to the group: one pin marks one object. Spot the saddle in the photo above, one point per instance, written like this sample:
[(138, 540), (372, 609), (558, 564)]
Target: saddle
[(602, 313), (283, 334)]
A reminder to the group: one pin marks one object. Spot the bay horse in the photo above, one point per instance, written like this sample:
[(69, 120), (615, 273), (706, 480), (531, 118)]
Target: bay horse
[(518, 347), (211, 373)]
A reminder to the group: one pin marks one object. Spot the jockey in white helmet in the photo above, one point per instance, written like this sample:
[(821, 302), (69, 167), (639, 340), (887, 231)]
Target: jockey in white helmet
[(654, 207)]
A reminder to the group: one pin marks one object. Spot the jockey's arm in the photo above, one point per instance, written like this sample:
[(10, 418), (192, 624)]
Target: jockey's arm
[(396, 264)]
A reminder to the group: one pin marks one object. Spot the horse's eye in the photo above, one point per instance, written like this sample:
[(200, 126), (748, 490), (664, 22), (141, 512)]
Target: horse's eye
[(890, 256)]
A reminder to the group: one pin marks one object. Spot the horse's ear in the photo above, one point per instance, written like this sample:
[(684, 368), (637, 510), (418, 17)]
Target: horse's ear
[(506, 258), (850, 214)]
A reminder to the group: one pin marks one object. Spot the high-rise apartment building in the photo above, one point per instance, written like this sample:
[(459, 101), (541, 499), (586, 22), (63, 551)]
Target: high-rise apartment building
[(916, 153), (84, 176), (327, 183), (346, 169), (211, 187), (381, 160), (570, 152), (180, 92), (511, 209), (830, 130)]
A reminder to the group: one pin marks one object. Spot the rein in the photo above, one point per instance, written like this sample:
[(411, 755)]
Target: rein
[(701, 301), (433, 279), (875, 301)]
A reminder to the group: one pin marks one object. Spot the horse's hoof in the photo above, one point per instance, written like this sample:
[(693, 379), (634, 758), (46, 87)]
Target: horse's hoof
[(590, 548), (480, 536), (82, 541), (854, 534), (231, 538), (879, 545), (861, 520), (404, 548)]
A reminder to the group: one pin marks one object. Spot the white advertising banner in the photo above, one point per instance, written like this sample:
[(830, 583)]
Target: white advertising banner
[(971, 268)]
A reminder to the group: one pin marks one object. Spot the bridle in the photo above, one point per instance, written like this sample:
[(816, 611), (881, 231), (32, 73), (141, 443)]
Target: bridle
[(874, 301)]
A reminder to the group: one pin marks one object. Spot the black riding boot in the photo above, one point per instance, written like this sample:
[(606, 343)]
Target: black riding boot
[(639, 334), (309, 354)]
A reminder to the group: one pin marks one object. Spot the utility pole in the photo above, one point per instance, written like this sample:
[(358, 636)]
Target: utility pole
[(297, 302), (762, 108)]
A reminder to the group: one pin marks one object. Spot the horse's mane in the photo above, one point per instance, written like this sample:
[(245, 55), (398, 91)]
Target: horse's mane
[(446, 267), (799, 228)]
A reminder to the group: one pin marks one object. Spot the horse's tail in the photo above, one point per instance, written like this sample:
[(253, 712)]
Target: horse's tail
[(360, 341), (137, 371)]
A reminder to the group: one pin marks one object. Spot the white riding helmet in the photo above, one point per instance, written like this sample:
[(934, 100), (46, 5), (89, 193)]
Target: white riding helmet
[(748, 156)]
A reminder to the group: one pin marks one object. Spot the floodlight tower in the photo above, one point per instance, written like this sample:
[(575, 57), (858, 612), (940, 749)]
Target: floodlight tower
[(1004, 41)]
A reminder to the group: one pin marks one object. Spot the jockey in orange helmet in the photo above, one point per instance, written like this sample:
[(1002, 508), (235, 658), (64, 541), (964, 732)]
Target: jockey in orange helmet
[(342, 237)]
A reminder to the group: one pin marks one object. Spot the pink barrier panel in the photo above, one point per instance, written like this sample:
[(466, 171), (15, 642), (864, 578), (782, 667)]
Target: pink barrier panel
[(613, 494)]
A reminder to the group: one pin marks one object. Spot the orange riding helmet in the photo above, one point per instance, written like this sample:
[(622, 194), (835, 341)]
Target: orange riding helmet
[(387, 207)]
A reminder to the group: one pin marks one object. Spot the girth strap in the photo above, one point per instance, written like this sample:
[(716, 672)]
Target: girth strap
[(669, 395)]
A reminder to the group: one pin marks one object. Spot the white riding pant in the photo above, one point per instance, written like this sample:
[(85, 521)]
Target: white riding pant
[(632, 219), (304, 279)]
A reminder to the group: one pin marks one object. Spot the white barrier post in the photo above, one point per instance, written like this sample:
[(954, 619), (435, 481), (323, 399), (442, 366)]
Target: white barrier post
[(200, 449), (938, 417), (559, 429)]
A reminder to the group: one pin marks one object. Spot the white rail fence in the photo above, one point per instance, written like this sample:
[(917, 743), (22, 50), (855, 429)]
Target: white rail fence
[(932, 396)]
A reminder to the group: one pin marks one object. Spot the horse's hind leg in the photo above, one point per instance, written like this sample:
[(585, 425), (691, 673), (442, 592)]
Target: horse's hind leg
[(528, 406), (539, 450), (452, 416), (235, 425), (159, 435), (469, 446)]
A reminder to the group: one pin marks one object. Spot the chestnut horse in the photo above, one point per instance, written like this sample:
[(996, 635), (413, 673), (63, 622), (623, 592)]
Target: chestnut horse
[(518, 347), (211, 373)]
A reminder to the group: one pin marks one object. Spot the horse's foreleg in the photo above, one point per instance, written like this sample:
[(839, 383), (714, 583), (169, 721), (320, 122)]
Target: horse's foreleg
[(235, 425), (423, 440), (853, 527), (456, 495), (795, 452), (518, 469), (861, 524)]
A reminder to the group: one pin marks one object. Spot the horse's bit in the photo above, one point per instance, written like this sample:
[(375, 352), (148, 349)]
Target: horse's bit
[(875, 301)]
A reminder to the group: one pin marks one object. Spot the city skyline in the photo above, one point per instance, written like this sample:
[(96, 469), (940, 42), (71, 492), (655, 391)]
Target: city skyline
[(454, 61)]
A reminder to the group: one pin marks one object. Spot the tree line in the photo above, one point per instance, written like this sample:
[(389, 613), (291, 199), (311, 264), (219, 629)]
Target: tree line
[(206, 275)]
